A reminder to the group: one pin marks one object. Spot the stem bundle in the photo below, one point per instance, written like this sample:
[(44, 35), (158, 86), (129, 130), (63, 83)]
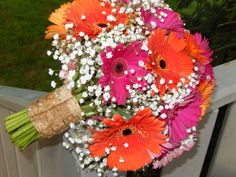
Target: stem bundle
[(22, 131)]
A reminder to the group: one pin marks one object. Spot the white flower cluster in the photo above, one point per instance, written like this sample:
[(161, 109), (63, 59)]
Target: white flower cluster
[(77, 139)]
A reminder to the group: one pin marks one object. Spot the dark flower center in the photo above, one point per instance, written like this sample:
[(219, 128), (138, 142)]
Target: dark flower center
[(102, 25), (119, 67), (162, 64), (127, 132)]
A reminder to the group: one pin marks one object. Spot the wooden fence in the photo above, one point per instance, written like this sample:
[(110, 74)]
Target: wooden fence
[(213, 156)]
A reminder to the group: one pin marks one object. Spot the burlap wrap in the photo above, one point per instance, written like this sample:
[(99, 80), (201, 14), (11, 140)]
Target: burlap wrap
[(52, 114)]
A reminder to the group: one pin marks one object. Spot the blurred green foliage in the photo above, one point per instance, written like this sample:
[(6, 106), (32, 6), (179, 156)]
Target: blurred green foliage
[(23, 59), (215, 19)]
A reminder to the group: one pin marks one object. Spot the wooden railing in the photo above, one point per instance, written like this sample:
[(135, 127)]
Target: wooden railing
[(212, 156)]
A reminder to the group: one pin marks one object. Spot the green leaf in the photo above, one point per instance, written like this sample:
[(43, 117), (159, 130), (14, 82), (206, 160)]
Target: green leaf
[(174, 4), (216, 2), (191, 9)]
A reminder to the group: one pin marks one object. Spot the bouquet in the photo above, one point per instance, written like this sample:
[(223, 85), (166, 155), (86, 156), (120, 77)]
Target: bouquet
[(136, 84)]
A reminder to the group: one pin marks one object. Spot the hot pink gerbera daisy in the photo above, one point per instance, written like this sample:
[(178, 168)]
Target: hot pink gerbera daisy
[(121, 69), (205, 72), (183, 117), (203, 44), (169, 153), (165, 19)]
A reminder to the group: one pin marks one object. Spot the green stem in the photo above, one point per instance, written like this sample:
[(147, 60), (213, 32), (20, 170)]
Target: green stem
[(17, 124), (90, 114), (16, 118), (12, 116), (24, 142), (21, 130), (30, 131)]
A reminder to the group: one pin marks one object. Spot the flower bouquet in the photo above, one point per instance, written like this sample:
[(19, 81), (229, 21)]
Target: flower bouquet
[(136, 84)]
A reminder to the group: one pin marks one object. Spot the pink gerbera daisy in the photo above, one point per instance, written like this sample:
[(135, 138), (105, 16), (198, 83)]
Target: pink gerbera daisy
[(183, 117), (203, 44), (165, 19), (205, 72), (121, 69), (169, 153)]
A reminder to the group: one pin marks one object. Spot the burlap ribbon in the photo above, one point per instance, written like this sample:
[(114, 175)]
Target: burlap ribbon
[(52, 114)]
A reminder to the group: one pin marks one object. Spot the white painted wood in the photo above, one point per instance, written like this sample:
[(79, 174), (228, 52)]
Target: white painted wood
[(226, 85), (190, 163), (27, 165), (225, 159), (16, 99), (3, 168), (9, 148), (49, 158)]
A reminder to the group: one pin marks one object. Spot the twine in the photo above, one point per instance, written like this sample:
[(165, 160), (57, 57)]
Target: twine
[(52, 114)]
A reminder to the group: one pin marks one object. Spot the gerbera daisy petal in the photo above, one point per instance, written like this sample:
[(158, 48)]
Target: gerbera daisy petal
[(206, 89), (90, 17), (59, 19), (198, 48), (168, 59), (183, 117), (171, 20), (116, 69), (131, 140)]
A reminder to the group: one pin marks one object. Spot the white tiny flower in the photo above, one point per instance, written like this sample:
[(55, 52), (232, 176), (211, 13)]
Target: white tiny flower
[(84, 94), (163, 116), (162, 81), (72, 125), (153, 24), (115, 174), (126, 145), (53, 84), (56, 36), (65, 67), (78, 150), (113, 148), (194, 129), (96, 159), (115, 169), (141, 63), (49, 53), (50, 72), (109, 55), (66, 134), (71, 85), (106, 96), (111, 18), (83, 17), (121, 160), (132, 71), (107, 150), (81, 34)]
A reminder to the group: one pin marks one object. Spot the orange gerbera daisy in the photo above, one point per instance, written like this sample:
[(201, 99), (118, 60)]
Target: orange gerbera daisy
[(194, 49), (131, 143), (90, 16), (59, 19), (168, 58), (206, 89)]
